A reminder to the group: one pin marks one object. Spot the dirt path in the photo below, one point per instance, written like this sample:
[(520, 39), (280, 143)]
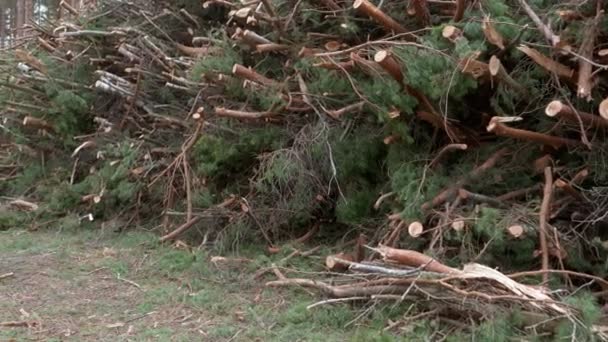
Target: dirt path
[(93, 286)]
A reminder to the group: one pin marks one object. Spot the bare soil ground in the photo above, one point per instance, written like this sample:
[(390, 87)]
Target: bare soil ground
[(104, 286)]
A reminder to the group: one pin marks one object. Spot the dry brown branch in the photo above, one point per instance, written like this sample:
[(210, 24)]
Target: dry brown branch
[(197, 52), (494, 202), (23, 205), (421, 11), (251, 75), (569, 189), (340, 292), (352, 108), (511, 195), (563, 111), (346, 65), (367, 8), (330, 4), (31, 60), (599, 280), (46, 45), (271, 47), (414, 259), (69, 8), (17, 324), (493, 36), (549, 64), (381, 199), (544, 29), (394, 235), (368, 67), (544, 216), (451, 192), (181, 229), (460, 7), (497, 127), (309, 234), (585, 68), (580, 176), (445, 150)]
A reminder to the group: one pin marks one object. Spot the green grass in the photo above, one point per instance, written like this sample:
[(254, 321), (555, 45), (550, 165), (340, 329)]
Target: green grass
[(226, 302)]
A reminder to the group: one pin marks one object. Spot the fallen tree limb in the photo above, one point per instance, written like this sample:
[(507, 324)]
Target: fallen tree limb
[(181, 229), (414, 259)]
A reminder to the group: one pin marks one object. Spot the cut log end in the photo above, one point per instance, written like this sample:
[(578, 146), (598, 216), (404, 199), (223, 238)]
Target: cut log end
[(451, 32), (516, 231), (381, 56), (415, 229), (554, 108), (494, 65), (604, 109), (358, 3), (458, 225), (334, 263)]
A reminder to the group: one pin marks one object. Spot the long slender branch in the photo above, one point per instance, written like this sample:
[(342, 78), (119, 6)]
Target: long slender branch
[(544, 216), (544, 29)]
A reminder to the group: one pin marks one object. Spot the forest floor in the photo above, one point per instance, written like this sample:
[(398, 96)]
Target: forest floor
[(96, 285)]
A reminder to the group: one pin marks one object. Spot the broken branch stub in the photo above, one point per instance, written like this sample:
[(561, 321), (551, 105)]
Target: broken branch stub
[(415, 229)]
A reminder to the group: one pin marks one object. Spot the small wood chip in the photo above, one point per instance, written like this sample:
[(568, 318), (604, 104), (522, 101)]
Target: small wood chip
[(7, 275)]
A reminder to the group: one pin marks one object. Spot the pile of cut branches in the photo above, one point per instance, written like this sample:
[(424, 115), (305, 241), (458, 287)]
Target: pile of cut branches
[(476, 292), (473, 131)]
